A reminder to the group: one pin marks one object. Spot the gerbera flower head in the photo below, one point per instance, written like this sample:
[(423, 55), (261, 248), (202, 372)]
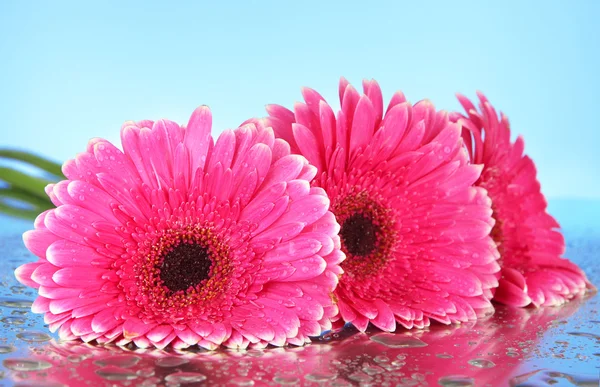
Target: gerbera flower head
[(528, 238), (414, 230), (180, 240)]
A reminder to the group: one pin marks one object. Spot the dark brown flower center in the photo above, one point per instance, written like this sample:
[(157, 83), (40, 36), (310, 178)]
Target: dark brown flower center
[(359, 235), (185, 266)]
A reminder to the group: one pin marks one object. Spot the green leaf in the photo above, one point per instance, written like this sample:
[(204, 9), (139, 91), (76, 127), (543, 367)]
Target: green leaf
[(18, 212), (24, 182), (25, 197), (36, 204), (30, 158)]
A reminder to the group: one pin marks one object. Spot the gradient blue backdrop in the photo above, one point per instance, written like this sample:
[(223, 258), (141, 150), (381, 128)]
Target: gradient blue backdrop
[(70, 70)]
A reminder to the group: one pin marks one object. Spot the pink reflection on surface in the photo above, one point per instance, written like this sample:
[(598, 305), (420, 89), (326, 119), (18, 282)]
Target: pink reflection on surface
[(508, 348)]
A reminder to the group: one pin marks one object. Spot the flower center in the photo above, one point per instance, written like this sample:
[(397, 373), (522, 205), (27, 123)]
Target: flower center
[(185, 266), (359, 235), (367, 234)]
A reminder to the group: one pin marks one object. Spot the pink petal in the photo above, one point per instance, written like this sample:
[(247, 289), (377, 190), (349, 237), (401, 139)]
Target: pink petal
[(197, 136), (24, 272), (363, 125)]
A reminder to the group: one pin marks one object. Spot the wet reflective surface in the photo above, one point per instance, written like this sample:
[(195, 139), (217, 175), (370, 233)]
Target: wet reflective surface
[(513, 347)]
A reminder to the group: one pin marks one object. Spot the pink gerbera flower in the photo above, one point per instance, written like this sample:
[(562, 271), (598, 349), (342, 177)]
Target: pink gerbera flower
[(528, 239), (414, 230), (179, 240)]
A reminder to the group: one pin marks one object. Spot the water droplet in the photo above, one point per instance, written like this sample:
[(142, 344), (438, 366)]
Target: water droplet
[(76, 358), (255, 353), (482, 363), (26, 364), (146, 372), (123, 361), (406, 382), (360, 377), (546, 378), (397, 341), (584, 334), (418, 376), (341, 383), (6, 349), (116, 373), (286, 380), (171, 361), (456, 381), (15, 303), (39, 383), (241, 381), (447, 149), (373, 370), (444, 356), (381, 359), (320, 377), (185, 377), (34, 336), (13, 320)]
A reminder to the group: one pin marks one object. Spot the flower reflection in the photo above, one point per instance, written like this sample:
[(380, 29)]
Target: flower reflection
[(483, 353), (75, 363), (487, 352)]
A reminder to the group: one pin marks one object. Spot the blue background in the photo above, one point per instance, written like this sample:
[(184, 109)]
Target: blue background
[(70, 71)]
